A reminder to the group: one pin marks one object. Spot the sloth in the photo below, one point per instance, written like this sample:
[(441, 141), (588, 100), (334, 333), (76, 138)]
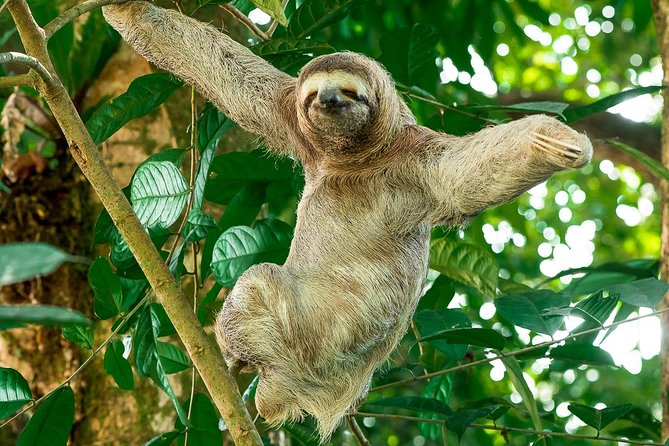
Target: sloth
[(317, 327)]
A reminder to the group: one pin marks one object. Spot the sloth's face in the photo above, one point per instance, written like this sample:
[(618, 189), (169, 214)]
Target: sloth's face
[(337, 104)]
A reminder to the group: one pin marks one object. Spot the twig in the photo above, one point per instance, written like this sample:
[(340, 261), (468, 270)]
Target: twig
[(245, 20), (356, 431), (275, 22), (29, 62), (443, 106), (4, 5), (513, 353), (74, 12), (82, 366), (509, 429), (18, 80)]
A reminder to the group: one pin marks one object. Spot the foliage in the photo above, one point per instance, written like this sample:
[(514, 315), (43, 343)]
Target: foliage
[(528, 330)]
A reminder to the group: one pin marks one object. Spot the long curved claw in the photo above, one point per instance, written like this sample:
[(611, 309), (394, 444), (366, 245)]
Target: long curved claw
[(555, 146)]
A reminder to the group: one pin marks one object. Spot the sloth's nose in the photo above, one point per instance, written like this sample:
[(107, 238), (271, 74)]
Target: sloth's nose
[(330, 97)]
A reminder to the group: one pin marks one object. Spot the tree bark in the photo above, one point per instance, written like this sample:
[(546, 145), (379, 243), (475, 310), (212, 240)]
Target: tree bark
[(661, 16)]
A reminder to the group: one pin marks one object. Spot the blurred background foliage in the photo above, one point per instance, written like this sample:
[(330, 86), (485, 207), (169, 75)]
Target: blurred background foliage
[(459, 54)]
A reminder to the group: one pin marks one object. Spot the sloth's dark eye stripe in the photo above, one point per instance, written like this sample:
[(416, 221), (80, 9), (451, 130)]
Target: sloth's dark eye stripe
[(350, 93)]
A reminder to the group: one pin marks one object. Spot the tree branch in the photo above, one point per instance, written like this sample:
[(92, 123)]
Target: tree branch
[(28, 61), (74, 12), (510, 429), (203, 351), (513, 353), (356, 431), (245, 20), (19, 80)]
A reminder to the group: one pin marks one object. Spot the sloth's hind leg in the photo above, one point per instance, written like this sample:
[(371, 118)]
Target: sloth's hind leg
[(247, 328)]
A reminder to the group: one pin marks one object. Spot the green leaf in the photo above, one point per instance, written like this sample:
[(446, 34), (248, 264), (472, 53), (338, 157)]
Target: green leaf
[(118, 366), (599, 418), (460, 420), (197, 226), (244, 207), (202, 175), (158, 194), (41, 315), (515, 374), (582, 353), (82, 336), (301, 435), (165, 439), (240, 247), (465, 263), (144, 95), (429, 322), (290, 46), (577, 113), (166, 327), (602, 276), (556, 108), (440, 390), (106, 289), (641, 293), (313, 15), (173, 358), (439, 295), (534, 10), (60, 47), (105, 230), (527, 310), (413, 403), (14, 392), (204, 420), (482, 337), (211, 126), (27, 260), (655, 167), (408, 53), (250, 392), (273, 8), (51, 423)]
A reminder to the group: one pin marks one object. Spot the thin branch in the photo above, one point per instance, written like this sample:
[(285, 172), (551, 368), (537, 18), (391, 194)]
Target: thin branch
[(275, 22), (28, 61), (356, 431), (510, 429), (88, 360), (18, 80), (4, 5), (443, 106), (245, 20), (74, 12), (513, 353)]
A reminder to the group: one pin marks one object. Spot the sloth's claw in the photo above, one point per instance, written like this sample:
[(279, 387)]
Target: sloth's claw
[(555, 146)]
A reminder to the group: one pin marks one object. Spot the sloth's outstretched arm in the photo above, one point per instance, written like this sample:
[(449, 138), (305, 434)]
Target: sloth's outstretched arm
[(471, 173), (249, 90)]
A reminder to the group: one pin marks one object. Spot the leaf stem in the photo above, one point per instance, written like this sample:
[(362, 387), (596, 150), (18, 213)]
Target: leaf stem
[(356, 431), (513, 353), (509, 429), (236, 13)]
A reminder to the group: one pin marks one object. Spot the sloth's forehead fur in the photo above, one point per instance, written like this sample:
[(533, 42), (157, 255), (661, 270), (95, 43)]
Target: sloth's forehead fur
[(342, 67), (341, 79)]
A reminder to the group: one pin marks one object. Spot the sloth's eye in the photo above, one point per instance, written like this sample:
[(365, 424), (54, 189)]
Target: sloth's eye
[(349, 93), (310, 98)]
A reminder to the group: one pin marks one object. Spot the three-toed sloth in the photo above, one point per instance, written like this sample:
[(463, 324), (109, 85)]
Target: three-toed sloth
[(317, 327)]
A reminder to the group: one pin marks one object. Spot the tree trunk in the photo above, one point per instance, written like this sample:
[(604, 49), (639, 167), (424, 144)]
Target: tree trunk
[(661, 15)]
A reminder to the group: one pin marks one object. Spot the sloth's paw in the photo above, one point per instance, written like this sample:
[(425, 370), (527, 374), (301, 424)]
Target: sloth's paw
[(569, 148)]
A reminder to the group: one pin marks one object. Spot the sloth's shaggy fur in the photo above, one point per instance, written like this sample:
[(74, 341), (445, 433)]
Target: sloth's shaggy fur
[(317, 327)]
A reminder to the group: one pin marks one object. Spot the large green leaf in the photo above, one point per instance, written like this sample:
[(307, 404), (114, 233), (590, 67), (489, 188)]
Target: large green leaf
[(14, 392), (482, 337), (313, 15), (144, 95), (430, 322), (204, 420), (654, 166), (27, 260), (582, 353), (577, 113), (211, 126), (118, 366), (460, 420), (80, 335), (439, 295), (158, 194), (273, 8), (408, 53), (528, 310), (41, 315), (301, 435), (556, 108), (465, 263), (240, 247), (51, 423), (106, 289), (641, 293), (515, 374), (599, 418), (173, 358)]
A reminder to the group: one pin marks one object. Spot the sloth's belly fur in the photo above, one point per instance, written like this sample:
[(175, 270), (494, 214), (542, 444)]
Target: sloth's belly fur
[(317, 327)]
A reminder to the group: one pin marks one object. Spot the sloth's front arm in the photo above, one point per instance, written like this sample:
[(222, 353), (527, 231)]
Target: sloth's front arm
[(244, 86), (469, 174)]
